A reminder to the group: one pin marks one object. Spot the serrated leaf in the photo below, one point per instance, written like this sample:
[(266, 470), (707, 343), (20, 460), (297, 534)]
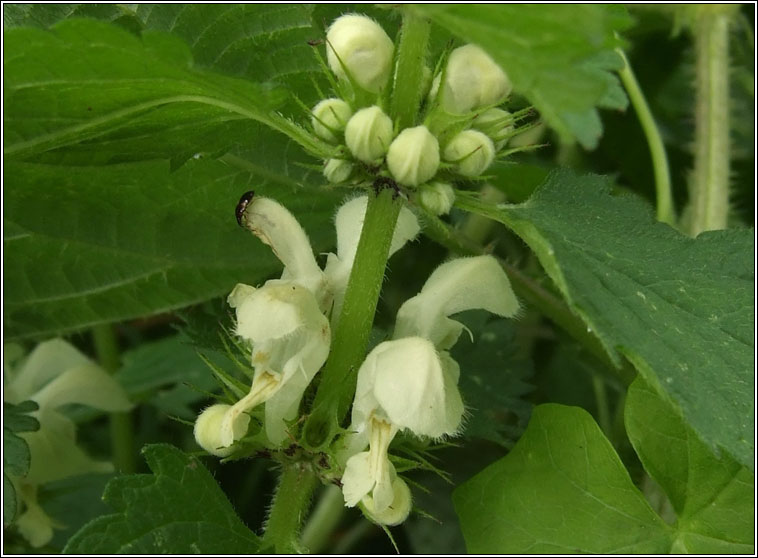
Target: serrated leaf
[(16, 455), (89, 81), (179, 509), (713, 497), (560, 57), (93, 245), (562, 489), (680, 309)]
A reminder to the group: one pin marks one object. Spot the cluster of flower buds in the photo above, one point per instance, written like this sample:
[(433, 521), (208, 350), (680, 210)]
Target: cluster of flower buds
[(458, 134)]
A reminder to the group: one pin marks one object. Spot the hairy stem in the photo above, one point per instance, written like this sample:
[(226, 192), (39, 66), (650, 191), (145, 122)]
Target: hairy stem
[(709, 189), (121, 427), (350, 338), (324, 518), (407, 92), (664, 201), (288, 509)]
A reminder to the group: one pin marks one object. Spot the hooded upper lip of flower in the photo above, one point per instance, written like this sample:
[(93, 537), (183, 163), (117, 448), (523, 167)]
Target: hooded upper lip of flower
[(411, 381)]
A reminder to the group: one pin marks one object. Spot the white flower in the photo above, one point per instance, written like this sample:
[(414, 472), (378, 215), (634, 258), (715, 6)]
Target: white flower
[(53, 375), (368, 134), (290, 338), (329, 117), (349, 224), (410, 382), (356, 44), (471, 151), (414, 156), (472, 80)]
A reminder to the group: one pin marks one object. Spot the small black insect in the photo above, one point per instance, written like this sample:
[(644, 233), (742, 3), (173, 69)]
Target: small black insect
[(384, 182), (242, 205)]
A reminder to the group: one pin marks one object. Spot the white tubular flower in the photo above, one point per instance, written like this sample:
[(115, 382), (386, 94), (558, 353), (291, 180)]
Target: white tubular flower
[(455, 286), (290, 340), (357, 44), (497, 124), (330, 117), (472, 80), (368, 134), (276, 227), (471, 151), (414, 156), (53, 375), (349, 224)]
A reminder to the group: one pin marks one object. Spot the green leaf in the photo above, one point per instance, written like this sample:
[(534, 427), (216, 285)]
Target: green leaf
[(152, 240), (16, 456), (562, 489), (680, 309), (493, 384), (713, 497), (179, 509), (89, 81), (560, 57)]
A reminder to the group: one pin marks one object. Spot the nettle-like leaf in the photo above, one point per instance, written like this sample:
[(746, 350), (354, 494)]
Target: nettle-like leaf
[(562, 489), (16, 456), (152, 240), (559, 58), (89, 81), (179, 509), (680, 309), (712, 497)]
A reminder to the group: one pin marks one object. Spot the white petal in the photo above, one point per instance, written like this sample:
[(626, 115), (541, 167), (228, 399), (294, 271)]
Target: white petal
[(47, 361), (86, 384), (455, 286), (357, 480), (397, 511)]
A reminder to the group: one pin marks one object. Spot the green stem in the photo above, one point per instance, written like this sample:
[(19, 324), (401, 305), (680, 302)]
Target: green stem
[(664, 200), (121, 428), (408, 88), (709, 195), (323, 519), (350, 338), (603, 410), (288, 509)]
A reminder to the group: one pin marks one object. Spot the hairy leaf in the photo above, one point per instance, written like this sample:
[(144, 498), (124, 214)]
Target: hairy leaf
[(99, 244), (680, 309), (562, 489), (713, 497), (16, 456), (179, 509), (558, 57)]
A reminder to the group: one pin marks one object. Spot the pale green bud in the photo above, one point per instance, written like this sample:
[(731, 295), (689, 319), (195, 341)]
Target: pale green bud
[(436, 197), (330, 117), (414, 156), (368, 134), (208, 429), (337, 171), (473, 80), (471, 151), (496, 123), (358, 44)]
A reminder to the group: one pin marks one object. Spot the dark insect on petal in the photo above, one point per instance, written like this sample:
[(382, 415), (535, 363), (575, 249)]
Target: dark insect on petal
[(242, 205)]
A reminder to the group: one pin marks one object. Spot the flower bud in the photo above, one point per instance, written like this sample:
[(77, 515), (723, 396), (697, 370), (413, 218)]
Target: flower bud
[(496, 123), (329, 117), (358, 46), (472, 152), (436, 197), (414, 156), (337, 171), (368, 134), (208, 429), (473, 80)]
